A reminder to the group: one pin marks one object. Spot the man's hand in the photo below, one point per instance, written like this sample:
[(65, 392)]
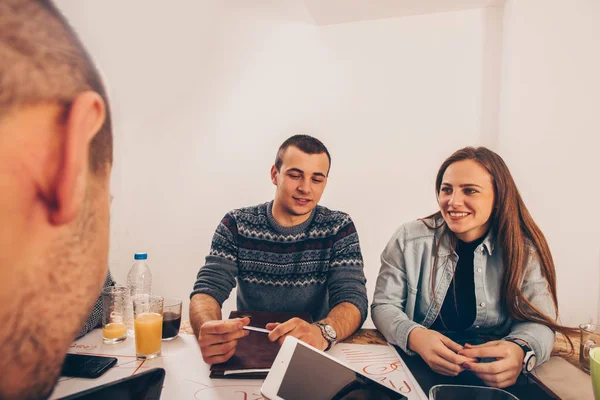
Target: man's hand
[(500, 373), (438, 351), (300, 329), (218, 339)]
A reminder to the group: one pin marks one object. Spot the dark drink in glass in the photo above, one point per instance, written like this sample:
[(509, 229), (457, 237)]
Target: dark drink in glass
[(171, 319), (170, 325)]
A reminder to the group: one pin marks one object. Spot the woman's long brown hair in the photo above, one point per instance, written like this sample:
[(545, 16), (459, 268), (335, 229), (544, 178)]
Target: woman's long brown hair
[(514, 228)]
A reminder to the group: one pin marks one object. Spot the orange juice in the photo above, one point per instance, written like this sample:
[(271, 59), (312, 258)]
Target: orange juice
[(148, 334), (114, 330)]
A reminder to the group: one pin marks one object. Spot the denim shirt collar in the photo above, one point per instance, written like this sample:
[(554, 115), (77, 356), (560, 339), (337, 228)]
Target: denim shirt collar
[(446, 248), (489, 243)]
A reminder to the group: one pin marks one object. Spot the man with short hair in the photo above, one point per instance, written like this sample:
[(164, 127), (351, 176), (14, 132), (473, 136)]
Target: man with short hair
[(55, 163), (287, 255)]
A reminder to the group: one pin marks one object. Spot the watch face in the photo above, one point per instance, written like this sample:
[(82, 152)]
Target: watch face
[(530, 363), (330, 332)]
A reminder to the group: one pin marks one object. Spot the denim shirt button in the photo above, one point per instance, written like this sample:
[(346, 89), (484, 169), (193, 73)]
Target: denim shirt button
[(476, 326), (479, 270), (482, 304)]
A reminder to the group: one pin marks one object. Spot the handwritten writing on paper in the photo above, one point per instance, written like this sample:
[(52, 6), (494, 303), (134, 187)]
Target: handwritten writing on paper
[(382, 364), (234, 392)]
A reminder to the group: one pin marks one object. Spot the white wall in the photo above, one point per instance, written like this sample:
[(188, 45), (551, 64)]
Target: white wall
[(326, 12), (549, 126), (204, 92), (410, 93)]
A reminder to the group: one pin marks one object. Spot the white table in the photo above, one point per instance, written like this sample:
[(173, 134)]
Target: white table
[(187, 374)]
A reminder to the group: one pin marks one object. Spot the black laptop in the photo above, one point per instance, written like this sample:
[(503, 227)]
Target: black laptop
[(146, 385)]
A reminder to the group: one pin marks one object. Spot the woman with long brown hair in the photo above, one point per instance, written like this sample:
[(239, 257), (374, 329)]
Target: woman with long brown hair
[(478, 268)]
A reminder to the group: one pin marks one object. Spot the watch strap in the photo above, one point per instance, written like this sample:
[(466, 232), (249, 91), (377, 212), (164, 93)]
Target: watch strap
[(527, 352), (330, 340)]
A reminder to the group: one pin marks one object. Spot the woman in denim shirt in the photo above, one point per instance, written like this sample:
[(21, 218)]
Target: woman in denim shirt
[(478, 267)]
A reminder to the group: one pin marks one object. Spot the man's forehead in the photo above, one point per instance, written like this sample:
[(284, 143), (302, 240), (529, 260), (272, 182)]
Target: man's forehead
[(294, 158)]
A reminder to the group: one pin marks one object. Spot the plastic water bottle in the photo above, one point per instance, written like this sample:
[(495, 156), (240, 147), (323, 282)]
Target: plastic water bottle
[(139, 281)]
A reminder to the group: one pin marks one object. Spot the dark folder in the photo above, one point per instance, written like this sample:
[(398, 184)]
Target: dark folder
[(255, 351)]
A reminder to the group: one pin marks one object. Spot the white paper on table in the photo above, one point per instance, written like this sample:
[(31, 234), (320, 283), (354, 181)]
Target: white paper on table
[(186, 373), (187, 376), (382, 364)]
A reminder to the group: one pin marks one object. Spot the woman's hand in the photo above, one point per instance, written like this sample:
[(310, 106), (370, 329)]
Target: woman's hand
[(500, 373), (438, 351)]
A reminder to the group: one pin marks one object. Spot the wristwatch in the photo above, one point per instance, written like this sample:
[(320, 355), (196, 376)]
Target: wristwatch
[(328, 333), (529, 360)]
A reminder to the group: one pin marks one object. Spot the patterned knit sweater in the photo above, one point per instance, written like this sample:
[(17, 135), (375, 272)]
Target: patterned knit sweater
[(309, 267)]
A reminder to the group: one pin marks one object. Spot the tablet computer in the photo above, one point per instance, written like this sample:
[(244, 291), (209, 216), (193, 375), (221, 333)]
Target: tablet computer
[(146, 385), (302, 372)]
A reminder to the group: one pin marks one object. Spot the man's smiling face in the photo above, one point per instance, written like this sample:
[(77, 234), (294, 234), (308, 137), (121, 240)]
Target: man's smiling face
[(300, 182)]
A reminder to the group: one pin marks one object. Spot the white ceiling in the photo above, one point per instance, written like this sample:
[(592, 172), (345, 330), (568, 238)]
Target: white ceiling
[(326, 12)]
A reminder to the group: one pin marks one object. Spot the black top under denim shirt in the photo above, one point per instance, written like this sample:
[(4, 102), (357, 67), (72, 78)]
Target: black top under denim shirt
[(459, 309)]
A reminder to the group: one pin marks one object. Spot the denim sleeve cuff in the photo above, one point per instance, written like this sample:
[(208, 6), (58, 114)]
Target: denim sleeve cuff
[(402, 331)]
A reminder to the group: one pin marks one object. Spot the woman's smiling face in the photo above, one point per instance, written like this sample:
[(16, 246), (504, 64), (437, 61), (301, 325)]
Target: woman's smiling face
[(466, 199)]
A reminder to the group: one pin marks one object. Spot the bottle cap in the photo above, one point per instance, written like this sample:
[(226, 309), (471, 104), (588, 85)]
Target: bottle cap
[(140, 256)]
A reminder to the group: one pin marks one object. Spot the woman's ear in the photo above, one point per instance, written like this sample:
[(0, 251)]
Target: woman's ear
[(83, 121)]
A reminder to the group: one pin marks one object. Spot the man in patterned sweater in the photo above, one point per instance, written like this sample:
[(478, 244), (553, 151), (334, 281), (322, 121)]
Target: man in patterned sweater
[(287, 255)]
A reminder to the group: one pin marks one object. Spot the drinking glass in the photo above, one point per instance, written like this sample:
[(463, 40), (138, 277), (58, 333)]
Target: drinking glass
[(171, 319), (590, 338), (595, 371), (147, 324), (113, 310), (461, 392)]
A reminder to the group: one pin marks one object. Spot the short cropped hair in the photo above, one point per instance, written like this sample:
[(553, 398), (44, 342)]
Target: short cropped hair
[(306, 143), (43, 61)]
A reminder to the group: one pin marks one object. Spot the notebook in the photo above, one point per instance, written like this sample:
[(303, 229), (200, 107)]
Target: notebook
[(254, 354)]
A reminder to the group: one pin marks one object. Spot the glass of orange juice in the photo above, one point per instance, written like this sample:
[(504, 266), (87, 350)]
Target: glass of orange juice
[(113, 308), (147, 324)]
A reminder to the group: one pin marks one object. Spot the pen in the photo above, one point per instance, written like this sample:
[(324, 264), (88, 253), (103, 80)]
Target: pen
[(254, 329)]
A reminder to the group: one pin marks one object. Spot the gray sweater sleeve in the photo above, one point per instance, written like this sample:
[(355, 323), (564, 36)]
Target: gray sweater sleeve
[(346, 279), (217, 277)]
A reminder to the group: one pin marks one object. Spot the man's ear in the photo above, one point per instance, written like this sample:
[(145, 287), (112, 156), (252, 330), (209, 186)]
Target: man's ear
[(84, 119), (274, 173)]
